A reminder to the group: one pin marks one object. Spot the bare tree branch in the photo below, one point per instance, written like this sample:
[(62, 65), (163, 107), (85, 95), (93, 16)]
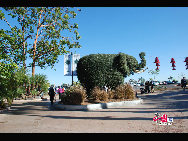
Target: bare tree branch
[(7, 23)]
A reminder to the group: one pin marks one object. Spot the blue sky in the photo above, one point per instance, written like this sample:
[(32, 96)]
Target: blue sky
[(158, 31)]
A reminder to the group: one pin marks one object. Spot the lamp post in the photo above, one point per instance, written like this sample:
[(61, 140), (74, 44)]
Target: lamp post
[(72, 66)]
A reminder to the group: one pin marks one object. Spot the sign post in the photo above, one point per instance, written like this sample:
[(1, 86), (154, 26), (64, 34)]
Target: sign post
[(70, 64)]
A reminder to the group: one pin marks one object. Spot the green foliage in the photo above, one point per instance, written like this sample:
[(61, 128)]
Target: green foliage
[(106, 69), (154, 73), (142, 80), (40, 82), (21, 76), (11, 45), (8, 82), (21, 90), (2, 104), (24, 82), (14, 81), (143, 61), (170, 78), (43, 26), (34, 92)]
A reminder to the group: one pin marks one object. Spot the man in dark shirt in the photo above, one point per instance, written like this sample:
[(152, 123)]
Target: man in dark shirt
[(51, 94), (183, 83)]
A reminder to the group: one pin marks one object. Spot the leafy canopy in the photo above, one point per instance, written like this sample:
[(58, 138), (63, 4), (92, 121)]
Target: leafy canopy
[(46, 33)]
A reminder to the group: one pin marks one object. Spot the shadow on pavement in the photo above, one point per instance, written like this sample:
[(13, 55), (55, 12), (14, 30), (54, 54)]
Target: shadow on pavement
[(170, 101), (28, 107), (97, 118)]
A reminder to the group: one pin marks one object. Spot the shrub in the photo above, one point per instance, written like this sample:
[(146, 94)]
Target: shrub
[(75, 95), (106, 69), (34, 92), (124, 91), (2, 104), (129, 92), (8, 82), (98, 94), (111, 93)]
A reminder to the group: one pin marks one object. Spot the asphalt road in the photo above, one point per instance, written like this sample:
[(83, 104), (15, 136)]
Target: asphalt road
[(167, 86), (40, 117)]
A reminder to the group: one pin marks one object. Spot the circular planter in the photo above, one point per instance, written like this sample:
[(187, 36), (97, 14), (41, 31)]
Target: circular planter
[(91, 107)]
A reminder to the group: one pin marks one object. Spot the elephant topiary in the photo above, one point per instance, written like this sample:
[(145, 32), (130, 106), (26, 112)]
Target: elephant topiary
[(107, 69)]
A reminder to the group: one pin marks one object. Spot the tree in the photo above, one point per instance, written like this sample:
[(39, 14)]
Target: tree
[(22, 79), (142, 80), (8, 85), (8, 82), (174, 81), (154, 73), (41, 83), (132, 81), (14, 40), (42, 32), (170, 78)]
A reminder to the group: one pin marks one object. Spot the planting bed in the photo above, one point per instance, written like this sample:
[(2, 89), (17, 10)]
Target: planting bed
[(90, 107)]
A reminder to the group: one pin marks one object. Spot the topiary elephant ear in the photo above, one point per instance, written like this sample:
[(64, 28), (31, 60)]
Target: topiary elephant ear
[(120, 63)]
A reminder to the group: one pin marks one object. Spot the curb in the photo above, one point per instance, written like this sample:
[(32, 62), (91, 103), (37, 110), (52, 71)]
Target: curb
[(92, 107), (5, 109)]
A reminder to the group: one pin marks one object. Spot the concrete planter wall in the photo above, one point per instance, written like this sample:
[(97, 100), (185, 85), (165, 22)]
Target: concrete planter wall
[(92, 107)]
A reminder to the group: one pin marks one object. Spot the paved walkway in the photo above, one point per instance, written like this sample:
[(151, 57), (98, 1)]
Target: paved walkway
[(39, 116)]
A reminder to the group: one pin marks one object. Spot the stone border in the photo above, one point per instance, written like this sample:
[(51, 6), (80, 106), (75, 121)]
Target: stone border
[(92, 107)]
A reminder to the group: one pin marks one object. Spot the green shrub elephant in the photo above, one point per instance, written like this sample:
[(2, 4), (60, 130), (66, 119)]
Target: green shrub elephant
[(107, 69)]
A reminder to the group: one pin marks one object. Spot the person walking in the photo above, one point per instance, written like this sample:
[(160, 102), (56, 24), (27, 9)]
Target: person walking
[(60, 91), (147, 87), (183, 83), (51, 94), (56, 92), (152, 89), (63, 90)]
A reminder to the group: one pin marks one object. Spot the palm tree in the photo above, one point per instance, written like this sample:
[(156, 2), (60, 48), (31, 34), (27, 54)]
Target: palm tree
[(40, 80), (170, 78), (22, 80), (153, 72)]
